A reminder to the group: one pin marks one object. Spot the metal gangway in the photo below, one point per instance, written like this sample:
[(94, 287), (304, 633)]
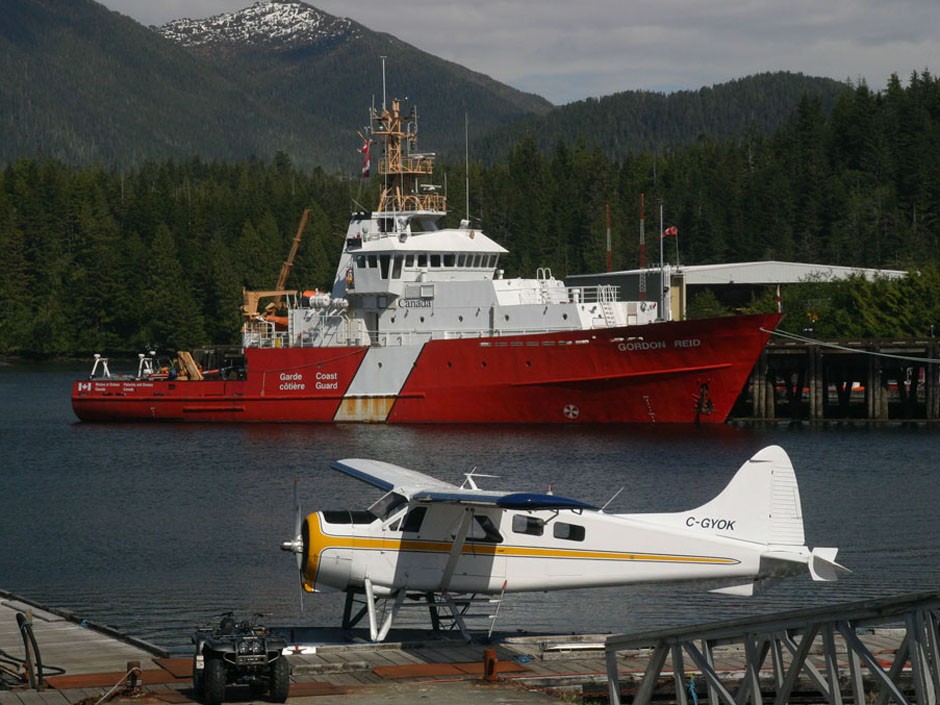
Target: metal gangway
[(830, 633)]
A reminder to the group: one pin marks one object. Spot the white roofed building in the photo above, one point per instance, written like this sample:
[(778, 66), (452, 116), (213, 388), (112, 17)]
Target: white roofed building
[(734, 282)]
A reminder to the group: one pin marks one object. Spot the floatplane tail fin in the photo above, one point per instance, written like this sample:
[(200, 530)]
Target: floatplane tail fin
[(761, 504)]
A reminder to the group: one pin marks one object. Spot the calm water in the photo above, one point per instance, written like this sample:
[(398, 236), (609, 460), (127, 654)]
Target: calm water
[(155, 528)]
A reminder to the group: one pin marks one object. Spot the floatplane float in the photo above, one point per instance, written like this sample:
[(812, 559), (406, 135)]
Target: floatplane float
[(443, 545)]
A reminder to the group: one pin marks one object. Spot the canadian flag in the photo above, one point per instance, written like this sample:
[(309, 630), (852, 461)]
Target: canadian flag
[(366, 162), (671, 231)]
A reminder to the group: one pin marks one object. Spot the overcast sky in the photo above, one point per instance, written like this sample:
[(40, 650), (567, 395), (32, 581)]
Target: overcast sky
[(567, 50)]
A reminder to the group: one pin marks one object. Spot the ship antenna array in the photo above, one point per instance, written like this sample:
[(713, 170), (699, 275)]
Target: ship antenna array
[(466, 157), (383, 82)]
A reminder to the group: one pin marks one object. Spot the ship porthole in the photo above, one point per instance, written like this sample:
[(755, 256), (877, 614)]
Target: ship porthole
[(564, 316), (460, 318), (507, 316), (422, 319), (484, 363), (528, 363), (450, 364), (380, 365)]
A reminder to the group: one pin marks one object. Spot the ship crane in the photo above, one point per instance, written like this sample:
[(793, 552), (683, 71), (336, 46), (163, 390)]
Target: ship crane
[(251, 298)]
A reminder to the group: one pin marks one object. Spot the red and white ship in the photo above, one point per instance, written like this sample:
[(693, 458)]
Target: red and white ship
[(421, 327)]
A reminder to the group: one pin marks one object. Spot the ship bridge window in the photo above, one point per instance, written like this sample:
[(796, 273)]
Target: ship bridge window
[(423, 259), (373, 261), (449, 260), (361, 261), (483, 530), (522, 524), (409, 261), (461, 260), (476, 261), (387, 504), (386, 225), (568, 532), (396, 267), (384, 261), (435, 261)]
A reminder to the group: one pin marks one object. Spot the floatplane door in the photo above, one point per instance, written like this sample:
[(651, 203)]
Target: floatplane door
[(423, 551)]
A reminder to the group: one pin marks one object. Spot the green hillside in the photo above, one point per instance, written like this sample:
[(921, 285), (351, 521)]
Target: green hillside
[(636, 121)]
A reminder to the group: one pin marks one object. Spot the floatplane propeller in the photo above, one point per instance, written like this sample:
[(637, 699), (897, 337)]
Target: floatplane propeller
[(441, 544), (296, 545)]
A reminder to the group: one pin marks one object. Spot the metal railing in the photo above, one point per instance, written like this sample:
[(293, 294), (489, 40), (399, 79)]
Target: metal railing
[(790, 638)]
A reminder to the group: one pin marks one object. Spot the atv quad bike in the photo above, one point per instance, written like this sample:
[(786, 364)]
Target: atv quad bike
[(239, 652)]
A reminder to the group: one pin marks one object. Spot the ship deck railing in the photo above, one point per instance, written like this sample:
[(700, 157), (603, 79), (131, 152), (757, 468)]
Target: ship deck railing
[(389, 339), (602, 293)]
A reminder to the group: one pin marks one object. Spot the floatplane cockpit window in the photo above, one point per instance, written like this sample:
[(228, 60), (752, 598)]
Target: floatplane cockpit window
[(521, 524), (345, 516), (387, 504), (412, 522), (484, 530)]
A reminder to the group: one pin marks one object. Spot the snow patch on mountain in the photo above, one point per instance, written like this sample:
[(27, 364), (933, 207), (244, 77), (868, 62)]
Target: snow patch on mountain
[(266, 23)]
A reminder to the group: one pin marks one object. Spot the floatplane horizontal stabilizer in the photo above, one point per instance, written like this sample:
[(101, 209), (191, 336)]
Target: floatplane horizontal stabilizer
[(439, 544)]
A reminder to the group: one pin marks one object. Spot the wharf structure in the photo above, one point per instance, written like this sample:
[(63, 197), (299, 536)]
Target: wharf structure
[(873, 379)]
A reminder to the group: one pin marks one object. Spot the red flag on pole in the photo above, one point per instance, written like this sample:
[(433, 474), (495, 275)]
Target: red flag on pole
[(364, 150), (671, 231)]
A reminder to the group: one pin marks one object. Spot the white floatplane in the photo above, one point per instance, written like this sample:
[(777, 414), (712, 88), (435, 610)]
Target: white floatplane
[(429, 540)]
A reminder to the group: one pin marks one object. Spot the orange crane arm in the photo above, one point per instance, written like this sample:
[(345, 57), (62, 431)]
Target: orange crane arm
[(289, 262)]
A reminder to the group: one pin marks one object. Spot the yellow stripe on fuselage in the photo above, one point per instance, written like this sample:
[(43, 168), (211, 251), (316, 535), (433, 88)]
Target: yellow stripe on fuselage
[(319, 541)]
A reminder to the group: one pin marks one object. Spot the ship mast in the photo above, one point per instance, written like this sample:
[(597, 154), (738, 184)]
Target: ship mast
[(402, 191)]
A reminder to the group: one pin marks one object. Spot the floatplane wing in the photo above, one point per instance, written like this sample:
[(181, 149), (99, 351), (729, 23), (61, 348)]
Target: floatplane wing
[(430, 539), (417, 487)]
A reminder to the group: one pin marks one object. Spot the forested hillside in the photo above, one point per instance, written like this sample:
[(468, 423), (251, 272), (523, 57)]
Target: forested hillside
[(95, 259), (639, 121)]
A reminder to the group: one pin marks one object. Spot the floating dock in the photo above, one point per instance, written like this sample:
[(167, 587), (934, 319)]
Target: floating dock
[(524, 668)]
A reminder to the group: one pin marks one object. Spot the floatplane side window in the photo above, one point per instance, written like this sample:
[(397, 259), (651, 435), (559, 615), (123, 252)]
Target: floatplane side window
[(522, 524), (569, 532), (484, 530)]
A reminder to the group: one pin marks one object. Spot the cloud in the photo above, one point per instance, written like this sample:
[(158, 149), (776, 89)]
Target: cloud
[(568, 51)]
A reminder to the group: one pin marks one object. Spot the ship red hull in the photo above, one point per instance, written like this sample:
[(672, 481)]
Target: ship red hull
[(686, 371)]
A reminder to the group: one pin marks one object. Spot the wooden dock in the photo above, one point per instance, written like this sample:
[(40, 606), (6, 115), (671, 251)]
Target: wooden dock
[(532, 668), (872, 379)]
